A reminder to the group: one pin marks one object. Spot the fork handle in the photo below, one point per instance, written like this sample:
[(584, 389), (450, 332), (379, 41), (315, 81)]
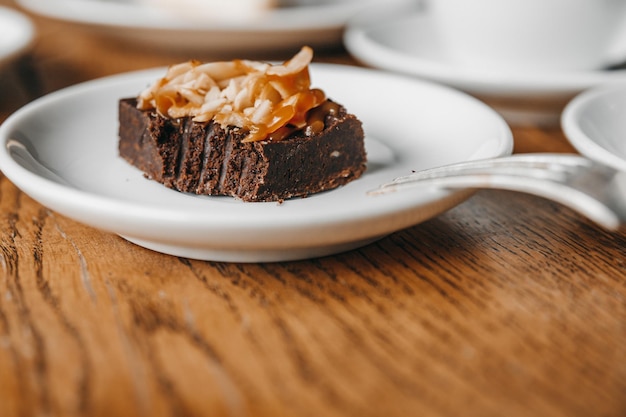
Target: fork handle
[(545, 175)]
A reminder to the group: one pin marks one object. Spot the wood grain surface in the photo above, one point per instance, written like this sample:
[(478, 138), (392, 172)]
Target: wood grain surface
[(507, 305)]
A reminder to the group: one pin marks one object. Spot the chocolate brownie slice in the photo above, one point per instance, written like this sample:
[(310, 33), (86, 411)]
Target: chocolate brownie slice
[(204, 158)]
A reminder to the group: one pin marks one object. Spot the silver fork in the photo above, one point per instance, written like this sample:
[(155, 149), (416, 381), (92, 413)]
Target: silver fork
[(595, 190)]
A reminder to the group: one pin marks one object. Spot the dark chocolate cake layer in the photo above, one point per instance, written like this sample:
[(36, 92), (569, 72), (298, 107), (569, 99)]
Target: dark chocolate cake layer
[(203, 158)]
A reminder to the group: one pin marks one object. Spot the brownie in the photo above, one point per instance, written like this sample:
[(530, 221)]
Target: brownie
[(204, 158)]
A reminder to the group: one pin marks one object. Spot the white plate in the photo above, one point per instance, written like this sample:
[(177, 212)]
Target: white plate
[(595, 125), (16, 34), (313, 23), (409, 43), (410, 125)]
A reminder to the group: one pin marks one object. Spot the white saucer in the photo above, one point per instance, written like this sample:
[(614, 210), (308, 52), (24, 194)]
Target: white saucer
[(62, 151), (16, 34), (595, 125), (409, 43), (314, 24)]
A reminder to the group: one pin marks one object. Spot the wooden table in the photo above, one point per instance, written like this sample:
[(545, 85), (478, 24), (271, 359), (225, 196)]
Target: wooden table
[(507, 305)]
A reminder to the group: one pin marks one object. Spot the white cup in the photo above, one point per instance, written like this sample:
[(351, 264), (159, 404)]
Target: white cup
[(529, 35)]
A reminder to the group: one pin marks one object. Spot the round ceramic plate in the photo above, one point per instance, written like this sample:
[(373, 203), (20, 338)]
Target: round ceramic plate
[(315, 23), (62, 151), (594, 123), (408, 43), (16, 34)]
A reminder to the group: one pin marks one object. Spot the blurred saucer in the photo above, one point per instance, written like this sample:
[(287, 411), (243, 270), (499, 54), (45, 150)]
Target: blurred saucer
[(316, 24), (16, 34), (409, 43), (594, 123)]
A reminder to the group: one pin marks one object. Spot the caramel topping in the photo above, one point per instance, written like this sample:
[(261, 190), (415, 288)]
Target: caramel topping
[(315, 122), (268, 101)]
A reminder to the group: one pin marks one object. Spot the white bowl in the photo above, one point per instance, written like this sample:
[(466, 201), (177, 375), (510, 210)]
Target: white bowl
[(71, 165), (595, 124)]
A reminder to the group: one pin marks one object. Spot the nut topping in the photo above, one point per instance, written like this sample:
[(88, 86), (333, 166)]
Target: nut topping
[(259, 97)]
